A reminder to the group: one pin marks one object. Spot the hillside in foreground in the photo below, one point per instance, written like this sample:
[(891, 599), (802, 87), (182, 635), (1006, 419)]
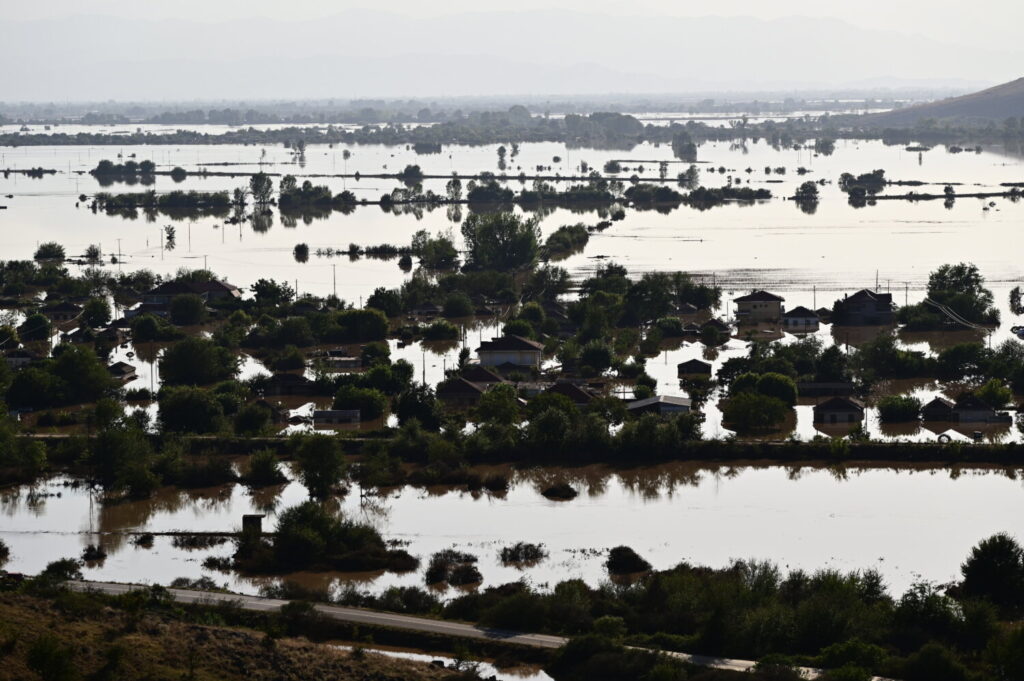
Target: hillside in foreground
[(994, 104), (67, 639)]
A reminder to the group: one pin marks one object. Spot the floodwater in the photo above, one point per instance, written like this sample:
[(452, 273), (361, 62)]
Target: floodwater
[(910, 524), (809, 259)]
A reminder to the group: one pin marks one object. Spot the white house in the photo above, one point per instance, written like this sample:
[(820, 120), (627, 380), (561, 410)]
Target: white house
[(801, 320), (510, 350)]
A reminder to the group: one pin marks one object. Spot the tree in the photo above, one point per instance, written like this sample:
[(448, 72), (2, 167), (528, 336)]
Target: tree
[(83, 377), (370, 403), (96, 312), (962, 288), (262, 188), (994, 393), (252, 419), (622, 560), (187, 409), (270, 293), (36, 327), (995, 571), (50, 250), (321, 464), (418, 403), (778, 386), (187, 309), (500, 241), (751, 412), (499, 405), (197, 361)]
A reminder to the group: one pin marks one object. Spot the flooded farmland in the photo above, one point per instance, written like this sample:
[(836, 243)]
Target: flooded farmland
[(910, 524)]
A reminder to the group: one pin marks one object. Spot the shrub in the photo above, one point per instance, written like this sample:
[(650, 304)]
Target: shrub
[(623, 560), (523, 552), (899, 408)]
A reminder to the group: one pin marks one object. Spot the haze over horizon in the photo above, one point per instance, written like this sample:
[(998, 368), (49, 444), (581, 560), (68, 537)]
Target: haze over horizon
[(114, 49)]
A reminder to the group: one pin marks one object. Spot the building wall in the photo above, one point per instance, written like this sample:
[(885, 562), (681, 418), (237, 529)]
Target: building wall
[(493, 358), (759, 311)]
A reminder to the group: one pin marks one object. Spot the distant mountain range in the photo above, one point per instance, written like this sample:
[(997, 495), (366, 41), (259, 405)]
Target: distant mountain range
[(364, 53), (994, 104)]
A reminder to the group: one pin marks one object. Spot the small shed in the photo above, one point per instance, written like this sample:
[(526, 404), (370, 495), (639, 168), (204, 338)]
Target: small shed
[(693, 367), (839, 410)]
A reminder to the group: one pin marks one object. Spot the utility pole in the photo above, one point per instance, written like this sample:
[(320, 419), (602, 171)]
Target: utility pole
[(204, 264), (334, 278)]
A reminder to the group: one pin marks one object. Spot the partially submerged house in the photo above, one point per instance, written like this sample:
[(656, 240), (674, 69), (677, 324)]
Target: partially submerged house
[(515, 350), (122, 371), (578, 395), (939, 409), (335, 417), (20, 357), (209, 291), (61, 312), (839, 410), (970, 408), (759, 306), (801, 320), (692, 368), (661, 404), (864, 308), (458, 393), (280, 385)]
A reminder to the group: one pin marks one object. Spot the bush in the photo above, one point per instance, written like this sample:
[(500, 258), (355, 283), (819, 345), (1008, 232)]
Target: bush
[(458, 304), (623, 560), (522, 552), (899, 408), (264, 470), (49, 250), (452, 567)]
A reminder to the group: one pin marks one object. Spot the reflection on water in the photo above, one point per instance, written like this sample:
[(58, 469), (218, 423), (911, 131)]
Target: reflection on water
[(909, 523)]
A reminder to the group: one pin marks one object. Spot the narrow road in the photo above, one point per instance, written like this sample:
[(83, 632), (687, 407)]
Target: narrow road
[(410, 623)]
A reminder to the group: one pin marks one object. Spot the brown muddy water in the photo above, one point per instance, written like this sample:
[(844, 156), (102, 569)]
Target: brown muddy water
[(910, 524)]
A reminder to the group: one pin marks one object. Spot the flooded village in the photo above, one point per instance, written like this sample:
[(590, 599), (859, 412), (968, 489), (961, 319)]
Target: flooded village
[(558, 388)]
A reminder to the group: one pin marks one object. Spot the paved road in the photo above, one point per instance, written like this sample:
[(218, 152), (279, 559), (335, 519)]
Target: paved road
[(409, 623)]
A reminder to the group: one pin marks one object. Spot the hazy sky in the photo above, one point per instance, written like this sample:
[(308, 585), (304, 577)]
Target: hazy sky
[(982, 23), (203, 49)]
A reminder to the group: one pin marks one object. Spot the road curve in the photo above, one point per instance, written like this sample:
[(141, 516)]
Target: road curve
[(409, 623)]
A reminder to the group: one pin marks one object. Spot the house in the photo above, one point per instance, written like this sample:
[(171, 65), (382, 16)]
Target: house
[(716, 324), (970, 408), (691, 329), (122, 371), (576, 394), (800, 320), (688, 309), (340, 359), (474, 373), (333, 417), (824, 388), (864, 308), (693, 367), (759, 306), (459, 393), (79, 336), (660, 404), (824, 314), (209, 291), (427, 310), (939, 409), (508, 349), (162, 310), (280, 385), (839, 410), (62, 311), (19, 357)]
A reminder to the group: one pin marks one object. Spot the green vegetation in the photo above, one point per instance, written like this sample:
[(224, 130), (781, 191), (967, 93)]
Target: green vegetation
[(308, 537)]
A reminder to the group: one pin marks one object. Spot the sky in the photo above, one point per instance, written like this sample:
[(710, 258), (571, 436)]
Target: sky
[(88, 50), (982, 23)]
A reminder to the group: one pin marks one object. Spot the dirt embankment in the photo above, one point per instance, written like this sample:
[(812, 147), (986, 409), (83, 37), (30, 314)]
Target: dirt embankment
[(69, 640)]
